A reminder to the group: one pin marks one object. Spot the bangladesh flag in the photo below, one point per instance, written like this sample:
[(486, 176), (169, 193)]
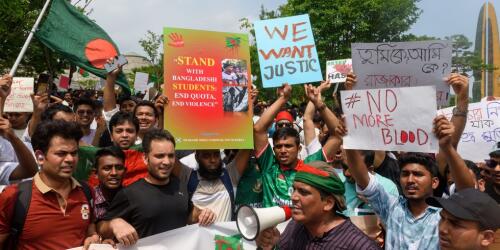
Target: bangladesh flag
[(78, 39), (82, 72)]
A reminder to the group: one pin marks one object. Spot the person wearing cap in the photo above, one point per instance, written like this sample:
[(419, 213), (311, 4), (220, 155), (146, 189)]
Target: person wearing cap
[(278, 162), (318, 200), (411, 223), (469, 219), (491, 173)]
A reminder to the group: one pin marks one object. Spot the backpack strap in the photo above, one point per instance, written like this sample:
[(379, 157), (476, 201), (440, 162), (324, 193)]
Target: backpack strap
[(88, 192), (226, 180), (20, 212), (192, 183)]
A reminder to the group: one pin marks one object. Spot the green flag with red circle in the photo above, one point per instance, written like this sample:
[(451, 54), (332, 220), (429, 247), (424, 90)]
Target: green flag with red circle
[(78, 39)]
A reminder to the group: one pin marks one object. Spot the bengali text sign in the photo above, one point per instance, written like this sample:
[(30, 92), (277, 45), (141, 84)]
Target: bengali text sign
[(403, 64), (207, 78), (391, 119), (481, 132), (337, 70), (19, 99), (287, 52)]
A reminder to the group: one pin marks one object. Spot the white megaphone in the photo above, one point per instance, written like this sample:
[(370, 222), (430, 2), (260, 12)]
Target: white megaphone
[(252, 221)]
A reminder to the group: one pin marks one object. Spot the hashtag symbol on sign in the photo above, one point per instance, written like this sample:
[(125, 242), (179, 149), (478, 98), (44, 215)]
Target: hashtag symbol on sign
[(352, 100)]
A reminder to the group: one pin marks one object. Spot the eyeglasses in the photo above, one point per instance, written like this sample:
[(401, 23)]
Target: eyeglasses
[(491, 163), (283, 124), (83, 112)]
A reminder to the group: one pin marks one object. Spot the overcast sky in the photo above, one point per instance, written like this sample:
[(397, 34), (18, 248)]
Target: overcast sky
[(127, 21)]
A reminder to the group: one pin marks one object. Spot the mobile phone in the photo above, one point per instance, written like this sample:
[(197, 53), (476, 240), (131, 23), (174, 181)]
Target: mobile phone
[(115, 63), (42, 84), (42, 88)]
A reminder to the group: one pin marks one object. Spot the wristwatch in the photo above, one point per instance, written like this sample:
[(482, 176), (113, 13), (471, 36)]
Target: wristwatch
[(458, 112)]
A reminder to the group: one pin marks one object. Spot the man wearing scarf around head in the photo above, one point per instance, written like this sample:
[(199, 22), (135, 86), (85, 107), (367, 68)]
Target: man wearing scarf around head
[(318, 200)]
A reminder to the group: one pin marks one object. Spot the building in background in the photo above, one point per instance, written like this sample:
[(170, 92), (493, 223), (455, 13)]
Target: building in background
[(487, 46)]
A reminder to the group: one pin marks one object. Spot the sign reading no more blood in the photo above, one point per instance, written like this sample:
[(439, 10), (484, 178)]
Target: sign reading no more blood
[(390, 119)]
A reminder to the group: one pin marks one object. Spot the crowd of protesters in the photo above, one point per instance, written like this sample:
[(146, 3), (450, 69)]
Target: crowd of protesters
[(97, 167)]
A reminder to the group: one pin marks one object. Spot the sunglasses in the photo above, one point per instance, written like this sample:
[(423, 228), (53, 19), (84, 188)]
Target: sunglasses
[(284, 124), (491, 163)]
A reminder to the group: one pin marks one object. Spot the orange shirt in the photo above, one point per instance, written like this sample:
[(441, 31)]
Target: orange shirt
[(51, 222)]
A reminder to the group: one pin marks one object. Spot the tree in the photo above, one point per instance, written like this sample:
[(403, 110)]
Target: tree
[(152, 44), (18, 18), (337, 24)]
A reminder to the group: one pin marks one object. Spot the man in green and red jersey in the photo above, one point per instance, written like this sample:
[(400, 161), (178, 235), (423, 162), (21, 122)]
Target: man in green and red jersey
[(279, 163)]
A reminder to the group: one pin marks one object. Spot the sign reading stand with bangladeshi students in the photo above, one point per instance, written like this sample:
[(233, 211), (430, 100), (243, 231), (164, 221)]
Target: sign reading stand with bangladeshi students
[(207, 81), (287, 52), (390, 119), (403, 64), (481, 132)]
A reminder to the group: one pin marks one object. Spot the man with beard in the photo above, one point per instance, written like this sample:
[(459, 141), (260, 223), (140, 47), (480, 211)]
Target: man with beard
[(155, 204), (212, 185), (279, 163), (409, 221)]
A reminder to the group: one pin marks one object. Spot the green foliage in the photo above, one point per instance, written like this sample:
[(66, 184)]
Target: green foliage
[(152, 45), (18, 17)]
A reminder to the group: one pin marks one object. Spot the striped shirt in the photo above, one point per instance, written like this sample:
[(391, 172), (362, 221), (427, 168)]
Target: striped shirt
[(403, 230), (344, 236)]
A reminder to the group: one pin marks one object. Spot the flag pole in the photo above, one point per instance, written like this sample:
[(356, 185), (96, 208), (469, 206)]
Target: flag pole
[(28, 40)]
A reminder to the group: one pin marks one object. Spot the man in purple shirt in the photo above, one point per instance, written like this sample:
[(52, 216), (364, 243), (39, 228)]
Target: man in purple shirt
[(318, 199)]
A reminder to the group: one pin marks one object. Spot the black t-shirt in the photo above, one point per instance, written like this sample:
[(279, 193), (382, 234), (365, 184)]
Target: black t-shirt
[(490, 190), (389, 169), (151, 209)]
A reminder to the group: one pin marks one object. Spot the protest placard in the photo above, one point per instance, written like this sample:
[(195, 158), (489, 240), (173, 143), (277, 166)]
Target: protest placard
[(337, 70), (481, 132), (287, 52), (403, 64), (220, 235), (19, 99), (390, 119), (141, 81), (207, 79), (63, 82)]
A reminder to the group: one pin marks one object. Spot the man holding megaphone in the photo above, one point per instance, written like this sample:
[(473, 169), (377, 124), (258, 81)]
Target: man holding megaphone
[(317, 201)]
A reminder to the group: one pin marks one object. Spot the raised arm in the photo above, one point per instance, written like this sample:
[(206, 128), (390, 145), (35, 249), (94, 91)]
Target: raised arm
[(357, 166), (160, 104), (329, 118), (309, 133), (109, 90), (460, 85), (260, 128), (444, 131), (40, 104), (5, 88), (27, 165)]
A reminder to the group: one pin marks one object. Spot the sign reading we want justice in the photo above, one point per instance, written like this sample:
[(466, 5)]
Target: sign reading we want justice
[(287, 52)]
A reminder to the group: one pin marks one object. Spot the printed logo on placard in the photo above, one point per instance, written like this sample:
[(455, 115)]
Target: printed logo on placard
[(85, 211)]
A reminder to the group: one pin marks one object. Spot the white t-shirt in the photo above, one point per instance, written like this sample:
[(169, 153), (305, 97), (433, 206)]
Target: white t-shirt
[(212, 194)]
